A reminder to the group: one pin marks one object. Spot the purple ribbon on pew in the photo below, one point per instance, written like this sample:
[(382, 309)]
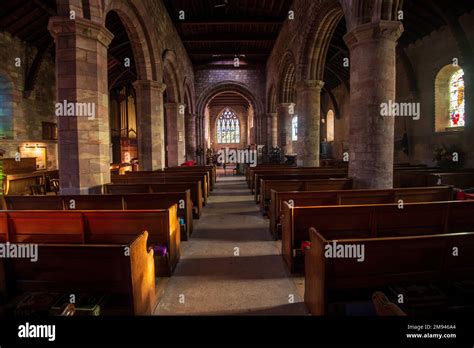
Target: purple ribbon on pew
[(160, 250)]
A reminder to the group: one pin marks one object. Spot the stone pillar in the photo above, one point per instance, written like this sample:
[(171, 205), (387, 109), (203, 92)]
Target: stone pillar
[(199, 133), (262, 130), (373, 74), (191, 138), (272, 129), (309, 122), (81, 80), (150, 124), (285, 112), (175, 133)]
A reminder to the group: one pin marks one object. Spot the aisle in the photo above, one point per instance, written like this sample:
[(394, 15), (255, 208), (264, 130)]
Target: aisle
[(210, 279)]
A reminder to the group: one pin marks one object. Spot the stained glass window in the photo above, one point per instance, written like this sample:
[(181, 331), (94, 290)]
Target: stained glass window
[(294, 128), (228, 128), (456, 99)]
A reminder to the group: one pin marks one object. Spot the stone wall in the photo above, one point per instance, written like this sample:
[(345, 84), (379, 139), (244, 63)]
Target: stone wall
[(28, 113), (428, 56)]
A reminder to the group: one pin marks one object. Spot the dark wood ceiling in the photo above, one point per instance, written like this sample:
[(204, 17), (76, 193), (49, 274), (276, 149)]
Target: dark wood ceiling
[(28, 20), (220, 30)]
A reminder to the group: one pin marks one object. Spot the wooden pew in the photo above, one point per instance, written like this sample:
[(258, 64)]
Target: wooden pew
[(292, 170), (259, 178), (209, 169), (194, 188), (250, 170), (97, 227), (353, 197), (203, 177), (371, 220), (411, 259), (147, 201), (434, 176), (299, 185), (125, 179), (129, 281)]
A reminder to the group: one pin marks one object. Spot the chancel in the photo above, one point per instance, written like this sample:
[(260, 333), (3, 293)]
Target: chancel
[(176, 157)]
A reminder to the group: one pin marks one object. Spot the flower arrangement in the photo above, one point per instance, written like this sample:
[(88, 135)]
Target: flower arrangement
[(448, 157)]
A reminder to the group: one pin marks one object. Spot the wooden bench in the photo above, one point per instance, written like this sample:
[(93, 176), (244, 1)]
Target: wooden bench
[(250, 170), (260, 178), (254, 179), (146, 201), (372, 220), (435, 176), (353, 197), (211, 170), (299, 185), (127, 279), (203, 176), (171, 177), (126, 179), (411, 260), (96, 227), (194, 188)]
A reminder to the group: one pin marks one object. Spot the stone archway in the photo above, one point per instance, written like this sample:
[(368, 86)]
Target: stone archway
[(174, 111)]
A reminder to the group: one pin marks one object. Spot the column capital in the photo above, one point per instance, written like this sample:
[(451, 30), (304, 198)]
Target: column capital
[(154, 85), (309, 84), (272, 114), (63, 26), (381, 30)]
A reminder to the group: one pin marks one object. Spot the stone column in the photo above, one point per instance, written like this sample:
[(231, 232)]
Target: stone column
[(199, 133), (191, 137), (81, 83), (172, 133), (272, 129), (150, 124), (309, 122), (285, 112), (262, 129), (373, 74)]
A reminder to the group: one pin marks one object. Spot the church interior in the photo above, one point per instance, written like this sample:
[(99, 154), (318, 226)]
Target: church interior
[(236, 157)]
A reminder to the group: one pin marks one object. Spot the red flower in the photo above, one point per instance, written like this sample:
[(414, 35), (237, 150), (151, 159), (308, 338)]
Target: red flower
[(305, 246)]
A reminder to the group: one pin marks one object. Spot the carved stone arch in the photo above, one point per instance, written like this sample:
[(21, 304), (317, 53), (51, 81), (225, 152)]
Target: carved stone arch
[(314, 51), (171, 77), (189, 96), (271, 99), (286, 92), (142, 38), (228, 86)]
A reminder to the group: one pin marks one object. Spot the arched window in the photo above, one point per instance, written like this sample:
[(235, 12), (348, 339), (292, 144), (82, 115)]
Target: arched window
[(330, 126), (228, 128), (294, 128), (449, 99), (456, 99), (6, 109)]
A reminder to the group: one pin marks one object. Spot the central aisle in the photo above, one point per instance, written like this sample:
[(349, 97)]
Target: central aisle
[(211, 280)]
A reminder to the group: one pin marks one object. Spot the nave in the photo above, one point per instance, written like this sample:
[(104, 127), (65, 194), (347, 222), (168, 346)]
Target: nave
[(214, 280)]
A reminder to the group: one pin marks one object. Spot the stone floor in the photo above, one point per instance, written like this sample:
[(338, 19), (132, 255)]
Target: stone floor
[(231, 265)]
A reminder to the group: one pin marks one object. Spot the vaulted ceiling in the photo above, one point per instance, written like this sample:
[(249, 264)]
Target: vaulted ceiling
[(220, 30)]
